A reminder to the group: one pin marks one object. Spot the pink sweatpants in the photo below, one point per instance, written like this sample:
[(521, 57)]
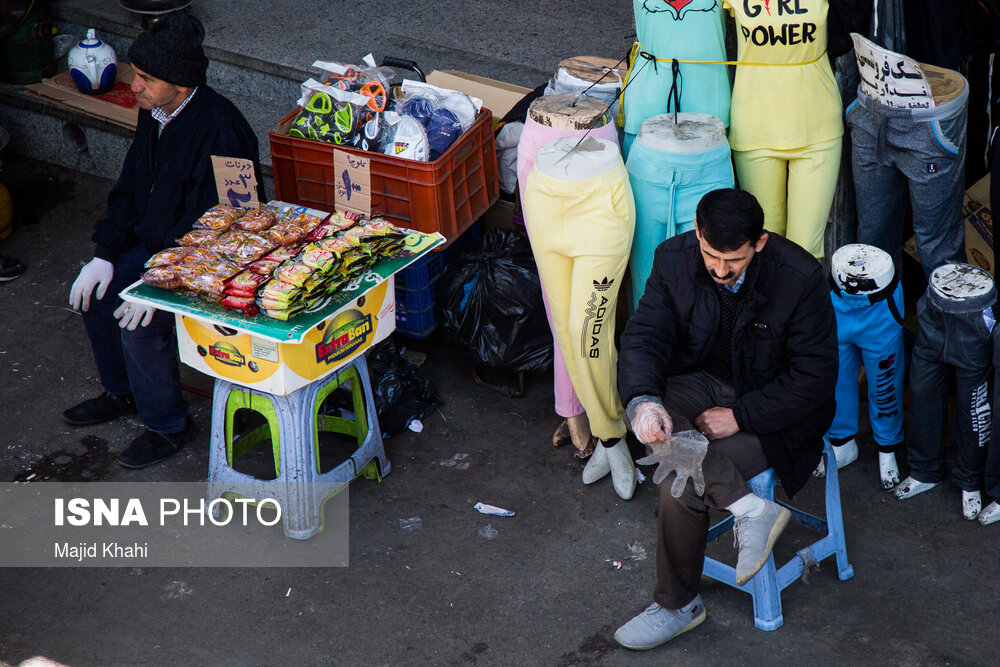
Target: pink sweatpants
[(533, 137)]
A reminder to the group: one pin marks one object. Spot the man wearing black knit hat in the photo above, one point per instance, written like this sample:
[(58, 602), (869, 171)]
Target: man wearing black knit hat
[(166, 183)]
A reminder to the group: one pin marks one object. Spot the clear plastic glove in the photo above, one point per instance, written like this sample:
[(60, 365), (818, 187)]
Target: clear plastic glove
[(682, 454), (650, 421), (95, 273), (130, 315)]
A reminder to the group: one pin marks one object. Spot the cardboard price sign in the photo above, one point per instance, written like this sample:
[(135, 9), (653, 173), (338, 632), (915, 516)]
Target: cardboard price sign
[(353, 182), (235, 181), (894, 80)]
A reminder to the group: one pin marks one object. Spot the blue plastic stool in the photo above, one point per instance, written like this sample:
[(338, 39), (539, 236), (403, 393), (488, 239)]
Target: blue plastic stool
[(766, 586), (299, 486)]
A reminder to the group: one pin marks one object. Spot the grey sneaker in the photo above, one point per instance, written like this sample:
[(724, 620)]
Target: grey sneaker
[(755, 537), (657, 625)]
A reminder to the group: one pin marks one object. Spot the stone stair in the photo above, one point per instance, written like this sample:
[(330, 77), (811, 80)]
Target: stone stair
[(260, 51)]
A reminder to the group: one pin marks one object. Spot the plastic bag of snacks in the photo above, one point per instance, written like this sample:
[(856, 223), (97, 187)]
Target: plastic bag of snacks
[(219, 217)]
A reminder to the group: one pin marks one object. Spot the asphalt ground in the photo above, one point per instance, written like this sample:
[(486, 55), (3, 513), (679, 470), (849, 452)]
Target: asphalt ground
[(544, 591)]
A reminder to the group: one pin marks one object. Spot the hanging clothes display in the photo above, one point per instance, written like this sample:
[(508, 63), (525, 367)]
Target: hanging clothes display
[(868, 300), (921, 150), (956, 321), (786, 126), (685, 31), (674, 161)]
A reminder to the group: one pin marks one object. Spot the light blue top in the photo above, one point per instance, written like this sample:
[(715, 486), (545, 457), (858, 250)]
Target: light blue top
[(686, 30)]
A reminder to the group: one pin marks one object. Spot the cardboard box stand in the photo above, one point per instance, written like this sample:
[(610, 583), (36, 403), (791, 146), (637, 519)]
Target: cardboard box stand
[(282, 368)]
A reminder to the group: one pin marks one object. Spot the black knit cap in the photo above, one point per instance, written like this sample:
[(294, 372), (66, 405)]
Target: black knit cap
[(170, 49)]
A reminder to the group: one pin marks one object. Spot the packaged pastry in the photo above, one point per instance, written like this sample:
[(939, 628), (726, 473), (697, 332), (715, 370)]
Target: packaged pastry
[(336, 245), (321, 232), (253, 247), (164, 277), (293, 272), (256, 220), (343, 220), (246, 281), (317, 258), (167, 257), (219, 218), (197, 237), (283, 234), (228, 243), (283, 254), (264, 267), (276, 289)]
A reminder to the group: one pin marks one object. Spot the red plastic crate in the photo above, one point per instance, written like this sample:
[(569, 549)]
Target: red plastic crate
[(445, 196)]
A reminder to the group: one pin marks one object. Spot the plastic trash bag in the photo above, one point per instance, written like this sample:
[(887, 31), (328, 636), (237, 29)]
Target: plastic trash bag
[(489, 302), (402, 394)]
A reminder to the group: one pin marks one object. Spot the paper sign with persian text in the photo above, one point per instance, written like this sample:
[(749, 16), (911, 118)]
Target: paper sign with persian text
[(235, 181), (353, 184), (894, 80)]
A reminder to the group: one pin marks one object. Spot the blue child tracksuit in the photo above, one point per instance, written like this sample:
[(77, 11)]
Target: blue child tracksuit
[(870, 331)]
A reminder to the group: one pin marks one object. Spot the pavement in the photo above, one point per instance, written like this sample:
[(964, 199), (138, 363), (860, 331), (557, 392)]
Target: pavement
[(544, 591)]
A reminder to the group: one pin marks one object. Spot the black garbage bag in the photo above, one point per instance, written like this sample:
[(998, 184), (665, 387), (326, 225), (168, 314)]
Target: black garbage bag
[(489, 301), (402, 394)]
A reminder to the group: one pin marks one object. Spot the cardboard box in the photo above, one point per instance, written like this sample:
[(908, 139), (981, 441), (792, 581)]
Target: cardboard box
[(979, 224), (281, 368), (61, 90), (497, 96)]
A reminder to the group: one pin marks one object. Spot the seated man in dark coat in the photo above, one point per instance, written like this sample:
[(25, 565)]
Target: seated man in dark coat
[(735, 336), (166, 183)]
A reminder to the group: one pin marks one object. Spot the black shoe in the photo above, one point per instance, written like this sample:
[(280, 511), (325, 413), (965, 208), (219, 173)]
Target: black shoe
[(10, 269), (99, 410), (152, 447)]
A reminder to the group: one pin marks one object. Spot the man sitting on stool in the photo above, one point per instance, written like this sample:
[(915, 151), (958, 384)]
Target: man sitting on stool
[(166, 183), (735, 334)]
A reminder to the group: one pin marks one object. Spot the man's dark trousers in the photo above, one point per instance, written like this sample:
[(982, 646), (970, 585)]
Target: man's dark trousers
[(683, 522), (141, 362)]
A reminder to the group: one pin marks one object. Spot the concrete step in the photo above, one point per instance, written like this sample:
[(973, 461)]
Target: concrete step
[(261, 50)]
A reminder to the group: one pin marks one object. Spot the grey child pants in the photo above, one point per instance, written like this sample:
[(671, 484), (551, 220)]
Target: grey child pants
[(922, 150)]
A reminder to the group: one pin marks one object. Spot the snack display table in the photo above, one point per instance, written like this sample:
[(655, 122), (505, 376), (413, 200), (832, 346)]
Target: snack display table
[(284, 371)]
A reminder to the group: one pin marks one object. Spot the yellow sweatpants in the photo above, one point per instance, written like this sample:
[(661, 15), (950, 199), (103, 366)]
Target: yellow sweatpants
[(581, 236), (794, 187)]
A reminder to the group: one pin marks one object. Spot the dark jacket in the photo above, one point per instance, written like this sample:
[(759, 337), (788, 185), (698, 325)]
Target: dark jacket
[(784, 350), (167, 181)]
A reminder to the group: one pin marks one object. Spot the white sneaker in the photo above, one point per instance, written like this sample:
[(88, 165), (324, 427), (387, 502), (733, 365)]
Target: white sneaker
[(888, 470), (845, 454), (597, 466), (910, 487), (657, 625), (972, 504), (991, 514), (622, 469)]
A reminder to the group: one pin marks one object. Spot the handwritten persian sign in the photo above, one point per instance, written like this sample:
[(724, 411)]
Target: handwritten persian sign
[(235, 181), (894, 80), (353, 182)]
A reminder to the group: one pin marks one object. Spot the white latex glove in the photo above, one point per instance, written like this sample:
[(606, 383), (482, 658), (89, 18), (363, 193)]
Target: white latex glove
[(651, 422), (95, 273), (130, 315), (683, 455)]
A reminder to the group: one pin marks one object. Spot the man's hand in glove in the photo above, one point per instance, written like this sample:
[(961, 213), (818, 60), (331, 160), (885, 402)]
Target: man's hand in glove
[(683, 455), (130, 315), (650, 421), (96, 273)]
